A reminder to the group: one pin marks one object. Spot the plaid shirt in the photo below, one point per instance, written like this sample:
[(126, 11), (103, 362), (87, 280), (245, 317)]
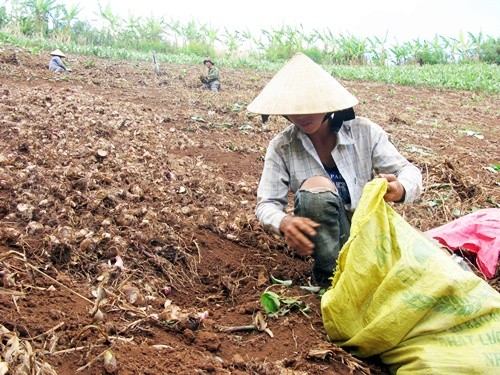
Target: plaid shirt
[(363, 150)]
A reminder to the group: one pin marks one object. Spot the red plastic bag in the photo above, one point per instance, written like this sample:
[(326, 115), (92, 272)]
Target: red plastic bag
[(478, 232)]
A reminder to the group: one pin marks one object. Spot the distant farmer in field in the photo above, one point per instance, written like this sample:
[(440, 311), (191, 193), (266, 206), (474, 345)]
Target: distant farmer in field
[(212, 80), (56, 64), (324, 157)]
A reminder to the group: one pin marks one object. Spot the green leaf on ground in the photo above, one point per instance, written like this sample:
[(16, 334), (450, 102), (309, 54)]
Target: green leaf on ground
[(282, 282), (270, 301)]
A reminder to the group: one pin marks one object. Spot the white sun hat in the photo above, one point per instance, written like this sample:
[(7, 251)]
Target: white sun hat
[(57, 52), (302, 87)]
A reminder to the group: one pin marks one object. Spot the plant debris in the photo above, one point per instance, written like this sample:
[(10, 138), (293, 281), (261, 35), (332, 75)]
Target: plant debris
[(127, 226)]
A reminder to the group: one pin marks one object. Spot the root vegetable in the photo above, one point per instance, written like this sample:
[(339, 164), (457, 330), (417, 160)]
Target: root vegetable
[(110, 364)]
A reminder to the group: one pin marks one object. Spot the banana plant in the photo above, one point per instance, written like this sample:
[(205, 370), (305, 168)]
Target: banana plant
[(377, 50), (475, 46), (114, 21), (232, 40), (41, 11), (152, 29), (69, 16)]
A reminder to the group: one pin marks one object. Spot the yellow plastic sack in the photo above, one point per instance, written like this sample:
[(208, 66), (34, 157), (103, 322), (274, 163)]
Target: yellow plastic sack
[(396, 294)]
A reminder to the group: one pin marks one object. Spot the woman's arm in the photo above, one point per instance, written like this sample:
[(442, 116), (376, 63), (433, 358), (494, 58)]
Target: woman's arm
[(272, 193), (388, 161)]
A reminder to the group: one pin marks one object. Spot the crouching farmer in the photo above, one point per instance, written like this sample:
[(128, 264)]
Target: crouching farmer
[(56, 64), (212, 80), (325, 157)]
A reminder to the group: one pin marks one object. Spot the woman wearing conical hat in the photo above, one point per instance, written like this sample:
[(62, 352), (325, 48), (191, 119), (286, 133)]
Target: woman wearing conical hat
[(56, 64), (324, 157)]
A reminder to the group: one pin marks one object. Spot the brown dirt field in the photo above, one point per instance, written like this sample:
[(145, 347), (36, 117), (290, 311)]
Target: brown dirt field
[(132, 194)]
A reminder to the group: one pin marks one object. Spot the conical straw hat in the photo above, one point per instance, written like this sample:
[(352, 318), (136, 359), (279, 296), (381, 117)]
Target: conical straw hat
[(302, 87), (57, 52)]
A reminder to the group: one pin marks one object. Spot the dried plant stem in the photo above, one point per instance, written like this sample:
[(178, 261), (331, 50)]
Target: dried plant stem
[(61, 284), (70, 350), (199, 251), (133, 324), (49, 331), (294, 337), (88, 327), (120, 286), (14, 301), (92, 361), (250, 327), (7, 292)]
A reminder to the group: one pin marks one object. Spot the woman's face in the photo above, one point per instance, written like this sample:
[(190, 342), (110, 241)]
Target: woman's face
[(309, 123)]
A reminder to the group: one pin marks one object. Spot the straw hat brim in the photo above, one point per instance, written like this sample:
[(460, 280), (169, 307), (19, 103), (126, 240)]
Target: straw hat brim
[(302, 87), (57, 52)]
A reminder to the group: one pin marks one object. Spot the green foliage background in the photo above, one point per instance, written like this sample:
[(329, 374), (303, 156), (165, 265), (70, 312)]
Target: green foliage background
[(469, 62)]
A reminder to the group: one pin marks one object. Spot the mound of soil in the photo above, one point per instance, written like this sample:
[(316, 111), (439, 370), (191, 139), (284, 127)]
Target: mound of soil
[(128, 241)]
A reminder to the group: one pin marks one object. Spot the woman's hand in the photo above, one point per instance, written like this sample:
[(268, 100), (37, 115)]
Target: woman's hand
[(395, 191), (297, 231)]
